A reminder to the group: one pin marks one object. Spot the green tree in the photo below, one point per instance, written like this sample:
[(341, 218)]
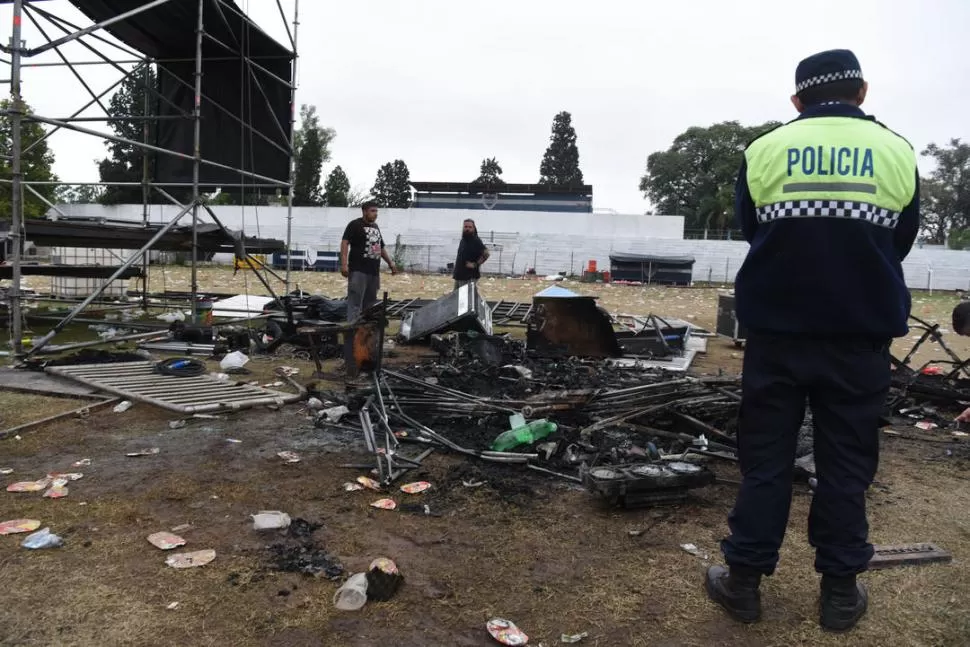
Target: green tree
[(490, 173), (560, 164), (695, 177), (392, 188), (337, 190), (945, 194), (311, 149), (134, 98), (83, 194), (35, 164)]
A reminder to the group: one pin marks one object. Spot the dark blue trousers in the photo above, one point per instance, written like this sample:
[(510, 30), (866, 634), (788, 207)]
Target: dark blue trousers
[(846, 383)]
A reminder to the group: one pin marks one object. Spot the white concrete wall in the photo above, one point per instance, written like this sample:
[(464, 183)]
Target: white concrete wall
[(553, 242)]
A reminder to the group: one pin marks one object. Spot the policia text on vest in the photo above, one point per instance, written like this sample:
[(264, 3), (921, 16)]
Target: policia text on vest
[(829, 160)]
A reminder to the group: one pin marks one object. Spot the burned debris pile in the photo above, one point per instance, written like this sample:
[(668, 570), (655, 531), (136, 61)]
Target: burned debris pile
[(486, 397)]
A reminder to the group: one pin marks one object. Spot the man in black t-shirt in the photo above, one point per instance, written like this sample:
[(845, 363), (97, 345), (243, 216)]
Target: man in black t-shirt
[(361, 251), (471, 254)]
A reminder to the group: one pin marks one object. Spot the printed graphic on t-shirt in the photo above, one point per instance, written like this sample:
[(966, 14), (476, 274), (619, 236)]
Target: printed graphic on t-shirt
[(372, 246)]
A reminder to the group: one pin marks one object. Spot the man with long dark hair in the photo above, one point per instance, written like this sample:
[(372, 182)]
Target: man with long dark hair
[(472, 253)]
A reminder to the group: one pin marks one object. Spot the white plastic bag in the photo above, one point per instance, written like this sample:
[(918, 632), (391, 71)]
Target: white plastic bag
[(270, 520), (235, 359), (42, 539)]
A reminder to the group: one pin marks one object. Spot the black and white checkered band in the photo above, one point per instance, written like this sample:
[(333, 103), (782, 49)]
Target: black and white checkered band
[(831, 77), (829, 209)]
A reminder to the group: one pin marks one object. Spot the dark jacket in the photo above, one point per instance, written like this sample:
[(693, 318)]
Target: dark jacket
[(824, 276)]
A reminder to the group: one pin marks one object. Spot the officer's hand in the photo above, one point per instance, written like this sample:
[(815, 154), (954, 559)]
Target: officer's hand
[(344, 272), (965, 416), (470, 265)]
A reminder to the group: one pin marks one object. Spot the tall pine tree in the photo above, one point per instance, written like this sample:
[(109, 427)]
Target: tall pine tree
[(337, 190), (392, 188), (311, 148), (490, 173), (560, 164), (124, 161)]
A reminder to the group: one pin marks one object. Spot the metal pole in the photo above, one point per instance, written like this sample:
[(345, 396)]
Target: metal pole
[(16, 191), (87, 30), (197, 154), (144, 184), (118, 272), (289, 194)]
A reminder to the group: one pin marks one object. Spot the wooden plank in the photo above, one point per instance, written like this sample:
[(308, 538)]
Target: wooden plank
[(908, 555)]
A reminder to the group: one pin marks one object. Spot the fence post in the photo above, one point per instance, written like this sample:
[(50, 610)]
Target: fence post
[(429, 258), (710, 274), (727, 266), (929, 279)]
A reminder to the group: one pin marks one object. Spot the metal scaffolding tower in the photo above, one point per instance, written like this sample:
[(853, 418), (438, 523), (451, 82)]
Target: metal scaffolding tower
[(215, 11)]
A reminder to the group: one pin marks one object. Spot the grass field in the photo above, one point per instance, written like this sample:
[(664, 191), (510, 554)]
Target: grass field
[(537, 551)]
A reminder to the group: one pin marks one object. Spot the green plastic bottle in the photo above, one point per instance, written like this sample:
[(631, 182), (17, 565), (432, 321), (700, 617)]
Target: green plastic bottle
[(524, 434)]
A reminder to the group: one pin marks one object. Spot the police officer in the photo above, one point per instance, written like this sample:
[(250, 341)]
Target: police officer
[(830, 206)]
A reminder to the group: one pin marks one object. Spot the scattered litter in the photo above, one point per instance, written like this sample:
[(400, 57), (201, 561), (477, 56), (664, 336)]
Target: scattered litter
[(67, 476), (352, 595), (18, 525), (270, 520), (233, 360), (121, 407), (634, 533), (183, 527), (144, 452), (384, 504), (189, 560), (6, 470), (171, 317), (383, 579), (415, 488), (505, 632), (473, 483), (176, 424), (42, 539), (208, 416), (172, 606), (926, 425), (289, 457), (288, 371), (521, 370), (369, 483), (574, 638), (960, 434), (57, 491), (353, 487), (29, 486), (314, 404), (84, 462), (695, 551), (165, 540), (334, 414)]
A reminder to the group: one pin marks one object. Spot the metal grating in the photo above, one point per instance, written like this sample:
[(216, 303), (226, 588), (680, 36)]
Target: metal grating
[(138, 381)]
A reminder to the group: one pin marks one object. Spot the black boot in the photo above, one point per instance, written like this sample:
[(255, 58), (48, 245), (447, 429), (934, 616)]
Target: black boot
[(843, 602), (736, 590)]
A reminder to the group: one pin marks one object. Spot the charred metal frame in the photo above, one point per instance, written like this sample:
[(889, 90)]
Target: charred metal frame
[(18, 51)]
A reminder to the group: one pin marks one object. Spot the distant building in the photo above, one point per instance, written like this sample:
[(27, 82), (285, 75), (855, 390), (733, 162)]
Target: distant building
[(505, 197)]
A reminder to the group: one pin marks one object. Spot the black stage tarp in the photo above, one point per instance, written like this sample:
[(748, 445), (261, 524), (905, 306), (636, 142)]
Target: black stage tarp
[(168, 32)]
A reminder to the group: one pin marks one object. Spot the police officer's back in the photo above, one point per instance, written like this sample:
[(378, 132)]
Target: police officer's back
[(830, 205)]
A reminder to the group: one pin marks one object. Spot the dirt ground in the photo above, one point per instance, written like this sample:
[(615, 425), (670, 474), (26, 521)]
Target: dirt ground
[(538, 551)]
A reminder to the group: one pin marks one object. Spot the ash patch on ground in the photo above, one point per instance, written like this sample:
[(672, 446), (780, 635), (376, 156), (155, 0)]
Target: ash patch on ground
[(511, 484), (299, 552)]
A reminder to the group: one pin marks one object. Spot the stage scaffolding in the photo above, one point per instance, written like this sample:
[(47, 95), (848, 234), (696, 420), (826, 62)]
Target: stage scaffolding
[(216, 13)]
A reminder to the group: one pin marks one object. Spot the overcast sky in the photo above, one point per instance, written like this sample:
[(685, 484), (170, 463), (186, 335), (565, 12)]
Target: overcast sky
[(442, 84)]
